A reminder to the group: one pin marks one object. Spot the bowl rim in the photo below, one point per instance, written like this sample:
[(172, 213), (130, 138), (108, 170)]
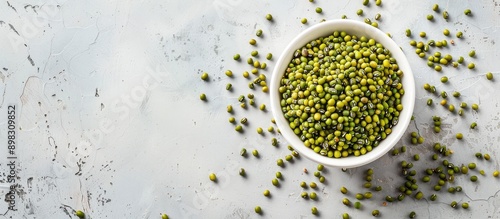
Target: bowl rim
[(359, 29)]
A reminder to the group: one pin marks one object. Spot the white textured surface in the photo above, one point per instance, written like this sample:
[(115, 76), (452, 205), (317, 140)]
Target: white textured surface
[(110, 120)]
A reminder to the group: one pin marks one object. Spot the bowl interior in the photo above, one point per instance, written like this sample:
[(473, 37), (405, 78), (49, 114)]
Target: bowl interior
[(354, 28)]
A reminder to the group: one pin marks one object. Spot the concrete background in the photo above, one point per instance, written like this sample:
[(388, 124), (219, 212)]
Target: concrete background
[(109, 118)]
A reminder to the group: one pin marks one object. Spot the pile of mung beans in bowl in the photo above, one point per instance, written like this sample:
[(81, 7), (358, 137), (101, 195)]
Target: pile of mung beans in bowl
[(342, 93)]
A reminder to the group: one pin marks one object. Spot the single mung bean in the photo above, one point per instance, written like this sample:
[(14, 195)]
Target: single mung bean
[(203, 97), (473, 125), (401, 197), (359, 12), (416, 157), (377, 16), (263, 65), (451, 190), (242, 172), (319, 10), (258, 33), (212, 177), (345, 216), (229, 73), (80, 214), (435, 7), (275, 182), (420, 140), (365, 2), (254, 53), (303, 21), (303, 184), (245, 74), (412, 214), (229, 108), (459, 34), (378, 2), (322, 179), (486, 156), (473, 178), (419, 195), (445, 15), (346, 202), (367, 185), (343, 190), (269, 56), (274, 142), (408, 34), (270, 129), (204, 76), (426, 179), (446, 32), (375, 213), (232, 119), (314, 210), (474, 106), (360, 196), (357, 205), (279, 175), (313, 195), (255, 153), (467, 12), (453, 204), (241, 98), (258, 210), (472, 53), (389, 198), (430, 17), (444, 94), (451, 108), (252, 41), (304, 195), (444, 79), (269, 17), (496, 173), (472, 166), (262, 107), (456, 94), (266, 192), (229, 86), (313, 185), (243, 120), (489, 76), (482, 172), (465, 205), (422, 34), (459, 135), (259, 130)]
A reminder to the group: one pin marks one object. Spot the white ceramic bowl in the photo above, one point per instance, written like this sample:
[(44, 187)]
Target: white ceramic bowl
[(354, 28)]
